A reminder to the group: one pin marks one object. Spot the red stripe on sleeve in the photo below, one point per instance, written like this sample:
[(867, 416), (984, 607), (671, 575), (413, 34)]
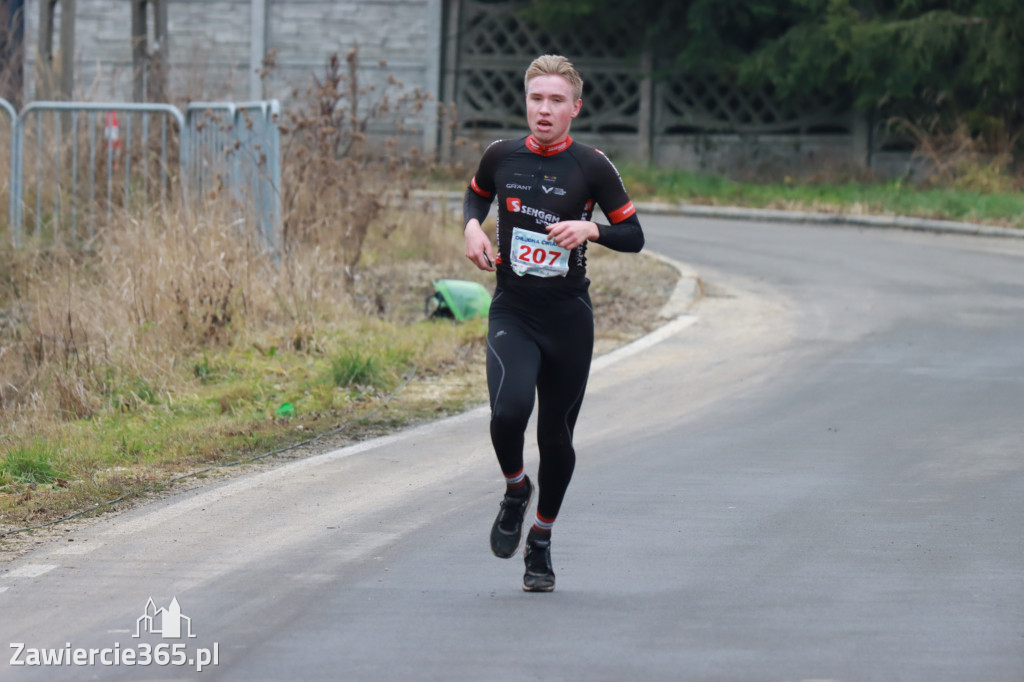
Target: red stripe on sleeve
[(621, 214), (476, 188)]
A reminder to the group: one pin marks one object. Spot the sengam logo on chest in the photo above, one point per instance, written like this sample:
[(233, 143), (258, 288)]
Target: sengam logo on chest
[(515, 205)]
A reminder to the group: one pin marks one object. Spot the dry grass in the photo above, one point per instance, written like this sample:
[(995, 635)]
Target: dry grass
[(975, 158)]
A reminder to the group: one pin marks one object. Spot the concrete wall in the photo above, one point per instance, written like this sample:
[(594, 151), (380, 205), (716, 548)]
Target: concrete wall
[(214, 49), (731, 155)]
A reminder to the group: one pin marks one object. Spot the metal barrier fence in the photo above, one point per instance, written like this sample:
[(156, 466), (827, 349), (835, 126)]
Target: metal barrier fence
[(72, 164), (12, 118), (237, 147), (82, 158)]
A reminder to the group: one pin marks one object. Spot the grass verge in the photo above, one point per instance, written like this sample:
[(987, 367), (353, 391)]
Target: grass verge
[(997, 206)]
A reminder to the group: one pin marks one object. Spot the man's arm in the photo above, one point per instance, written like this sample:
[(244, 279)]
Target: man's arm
[(623, 236), (475, 207), (478, 246), (624, 233)]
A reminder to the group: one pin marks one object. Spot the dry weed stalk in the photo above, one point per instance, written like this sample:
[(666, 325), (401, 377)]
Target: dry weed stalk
[(961, 156), (335, 187)]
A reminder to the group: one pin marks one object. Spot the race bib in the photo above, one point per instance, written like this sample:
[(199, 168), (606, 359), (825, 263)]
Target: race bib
[(536, 254)]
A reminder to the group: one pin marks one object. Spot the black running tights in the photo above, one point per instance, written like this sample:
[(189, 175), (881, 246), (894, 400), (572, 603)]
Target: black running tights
[(540, 341)]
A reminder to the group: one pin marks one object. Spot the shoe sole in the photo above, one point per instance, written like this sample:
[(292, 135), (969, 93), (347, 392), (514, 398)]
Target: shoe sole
[(527, 588), (522, 535)]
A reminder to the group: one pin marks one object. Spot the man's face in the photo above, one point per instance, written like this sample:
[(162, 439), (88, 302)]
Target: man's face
[(550, 108)]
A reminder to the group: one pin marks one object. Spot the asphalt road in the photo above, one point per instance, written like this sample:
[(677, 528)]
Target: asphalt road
[(817, 476)]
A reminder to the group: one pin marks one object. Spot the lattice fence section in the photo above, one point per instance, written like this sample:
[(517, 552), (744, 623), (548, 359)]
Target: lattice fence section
[(611, 101), (491, 98), (688, 104), (496, 46), (498, 29), (496, 43)]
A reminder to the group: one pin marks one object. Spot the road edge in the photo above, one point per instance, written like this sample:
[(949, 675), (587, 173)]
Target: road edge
[(787, 216), (828, 219)]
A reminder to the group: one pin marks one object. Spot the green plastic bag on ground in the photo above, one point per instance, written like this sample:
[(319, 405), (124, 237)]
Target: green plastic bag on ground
[(458, 299)]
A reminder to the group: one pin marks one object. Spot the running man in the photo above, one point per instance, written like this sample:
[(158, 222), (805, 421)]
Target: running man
[(540, 337)]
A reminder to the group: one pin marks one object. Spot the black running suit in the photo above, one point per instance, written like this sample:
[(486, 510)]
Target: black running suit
[(541, 326)]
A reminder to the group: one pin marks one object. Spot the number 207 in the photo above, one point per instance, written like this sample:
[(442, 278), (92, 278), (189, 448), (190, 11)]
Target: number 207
[(528, 254)]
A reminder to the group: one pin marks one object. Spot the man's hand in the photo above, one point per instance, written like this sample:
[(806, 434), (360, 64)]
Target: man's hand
[(478, 246), (571, 233)]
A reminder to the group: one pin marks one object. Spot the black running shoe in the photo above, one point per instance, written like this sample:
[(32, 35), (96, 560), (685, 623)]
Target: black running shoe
[(507, 531), (539, 576)]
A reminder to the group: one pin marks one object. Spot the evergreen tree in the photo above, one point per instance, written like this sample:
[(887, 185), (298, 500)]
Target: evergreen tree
[(956, 61)]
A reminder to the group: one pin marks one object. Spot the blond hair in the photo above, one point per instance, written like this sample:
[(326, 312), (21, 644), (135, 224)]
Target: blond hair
[(554, 65)]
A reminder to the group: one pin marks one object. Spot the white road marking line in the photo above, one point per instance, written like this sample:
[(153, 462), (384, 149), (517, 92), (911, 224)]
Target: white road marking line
[(78, 548), (30, 571)]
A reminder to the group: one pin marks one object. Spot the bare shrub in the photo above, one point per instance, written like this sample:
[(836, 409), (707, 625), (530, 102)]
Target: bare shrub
[(962, 155), (334, 186)]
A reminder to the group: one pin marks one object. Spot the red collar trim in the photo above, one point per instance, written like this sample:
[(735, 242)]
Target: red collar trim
[(550, 150)]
